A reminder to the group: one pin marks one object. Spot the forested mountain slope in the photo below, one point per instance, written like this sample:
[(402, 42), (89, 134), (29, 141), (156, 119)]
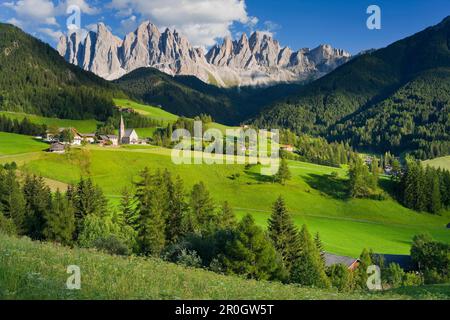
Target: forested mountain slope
[(35, 79), (410, 76)]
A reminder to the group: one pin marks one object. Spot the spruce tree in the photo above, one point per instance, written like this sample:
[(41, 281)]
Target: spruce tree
[(227, 218), (60, 220), (87, 199), (283, 173), (319, 245), (38, 201), (201, 218), (359, 179), (128, 209), (12, 201), (421, 192), (177, 210), (251, 253), (284, 234), (360, 274), (309, 269), (151, 196), (435, 204)]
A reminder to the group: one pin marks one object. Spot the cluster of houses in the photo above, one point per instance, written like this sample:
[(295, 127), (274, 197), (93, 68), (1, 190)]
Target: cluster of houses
[(125, 137)]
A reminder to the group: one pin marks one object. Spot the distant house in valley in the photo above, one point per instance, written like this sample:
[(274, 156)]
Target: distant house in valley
[(127, 136), (88, 137), (109, 139), (57, 147), (77, 138), (332, 259), (287, 147)]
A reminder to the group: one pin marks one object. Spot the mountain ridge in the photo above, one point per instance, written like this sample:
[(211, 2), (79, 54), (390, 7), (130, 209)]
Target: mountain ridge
[(255, 60), (332, 105)]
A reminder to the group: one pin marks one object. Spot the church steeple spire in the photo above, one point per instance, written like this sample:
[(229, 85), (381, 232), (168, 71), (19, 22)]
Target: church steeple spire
[(121, 129)]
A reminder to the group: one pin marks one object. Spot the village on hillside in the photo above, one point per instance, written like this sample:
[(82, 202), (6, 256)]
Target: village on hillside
[(66, 137)]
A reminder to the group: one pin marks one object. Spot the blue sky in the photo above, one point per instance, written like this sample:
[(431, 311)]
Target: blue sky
[(295, 23)]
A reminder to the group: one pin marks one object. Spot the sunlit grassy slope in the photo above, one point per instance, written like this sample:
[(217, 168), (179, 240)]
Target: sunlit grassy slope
[(83, 126), (443, 162), (312, 196), (38, 271), (12, 144), (150, 111)]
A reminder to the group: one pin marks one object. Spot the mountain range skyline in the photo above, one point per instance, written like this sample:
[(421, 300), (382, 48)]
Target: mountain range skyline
[(296, 24), (257, 59)]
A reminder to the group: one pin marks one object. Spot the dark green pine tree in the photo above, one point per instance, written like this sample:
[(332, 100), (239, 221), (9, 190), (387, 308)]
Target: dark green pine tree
[(87, 199), (12, 201), (284, 234), (177, 210), (435, 204), (283, 174), (409, 184), (360, 274), (227, 218), (201, 218), (251, 253), (60, 220), (128, 209), (319, 245), (151, 196), (38, 201), (309, 269), (374, 168), (421, 192), (359, 179)]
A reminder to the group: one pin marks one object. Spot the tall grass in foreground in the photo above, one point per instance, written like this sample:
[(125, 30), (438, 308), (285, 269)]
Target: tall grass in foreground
[(31, 270)]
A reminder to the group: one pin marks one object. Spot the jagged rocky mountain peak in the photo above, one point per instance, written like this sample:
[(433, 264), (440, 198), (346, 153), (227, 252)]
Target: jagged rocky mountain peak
[(257, 59)]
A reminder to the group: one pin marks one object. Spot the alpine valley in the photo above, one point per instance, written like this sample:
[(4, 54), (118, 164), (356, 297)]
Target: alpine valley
[(89, 175)]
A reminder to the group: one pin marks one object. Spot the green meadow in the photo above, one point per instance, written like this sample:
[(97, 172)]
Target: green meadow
[(146, 110), (443, 163), (14, 144), (313, 196), (23, 275), (83, 126)]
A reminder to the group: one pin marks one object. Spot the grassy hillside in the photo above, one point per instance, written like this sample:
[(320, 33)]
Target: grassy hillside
[(13, 144), (83, 126), (149, 111), (443, 162), (38, 271), (313, 197)]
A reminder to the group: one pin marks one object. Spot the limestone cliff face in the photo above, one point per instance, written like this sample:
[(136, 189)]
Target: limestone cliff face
[(258, 60)]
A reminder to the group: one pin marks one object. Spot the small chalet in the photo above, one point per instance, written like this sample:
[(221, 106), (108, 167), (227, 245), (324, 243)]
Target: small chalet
[(57, 147), (332, 259), (88, 137), (287, 147), (111, 140)]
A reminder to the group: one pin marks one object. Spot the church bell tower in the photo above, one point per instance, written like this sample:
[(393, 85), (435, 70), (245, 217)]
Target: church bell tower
[(121, 129)]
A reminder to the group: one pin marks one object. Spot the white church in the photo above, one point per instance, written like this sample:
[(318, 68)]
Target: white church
[(127, 136)]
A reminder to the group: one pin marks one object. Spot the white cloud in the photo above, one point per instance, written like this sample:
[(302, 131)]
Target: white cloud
[(15, 22), (34, 11), (53, 34), (85, 7), (128, 25), (270, 28), (202, 21)]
